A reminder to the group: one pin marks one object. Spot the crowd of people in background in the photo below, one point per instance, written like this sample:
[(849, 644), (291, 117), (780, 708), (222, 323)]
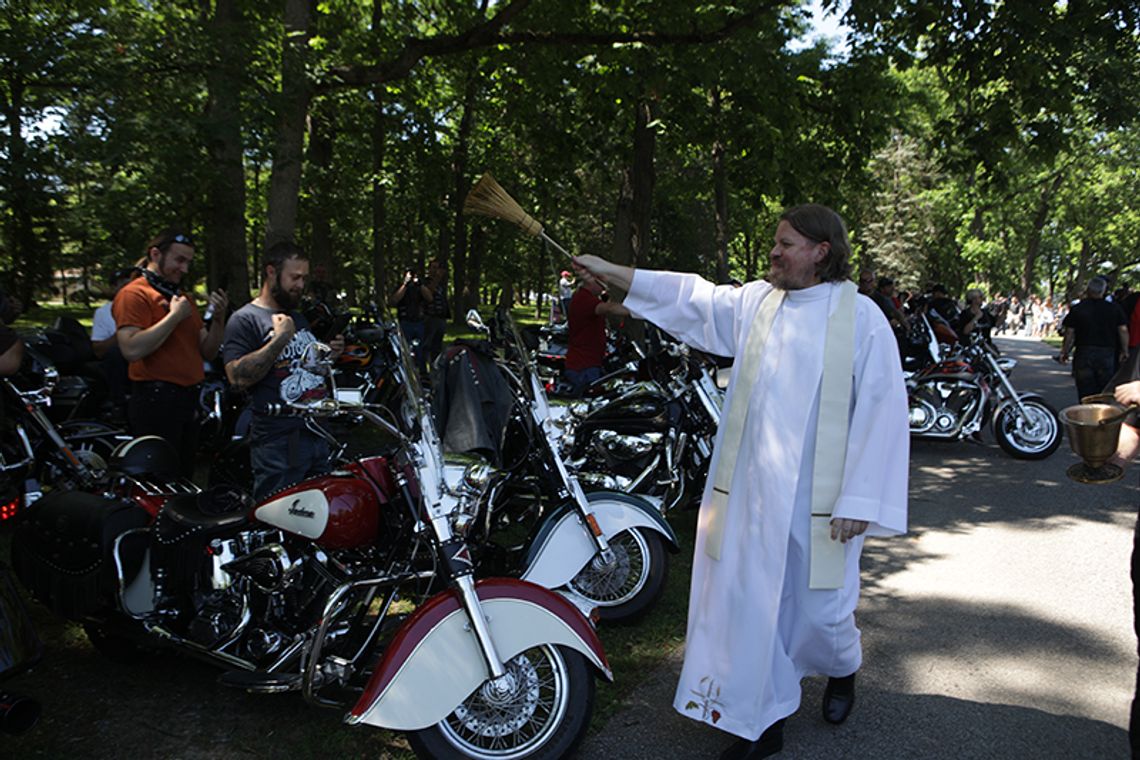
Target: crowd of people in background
[(151, 338)]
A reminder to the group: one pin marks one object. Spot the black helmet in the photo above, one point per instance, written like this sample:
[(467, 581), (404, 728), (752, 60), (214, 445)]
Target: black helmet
[(147, 455)]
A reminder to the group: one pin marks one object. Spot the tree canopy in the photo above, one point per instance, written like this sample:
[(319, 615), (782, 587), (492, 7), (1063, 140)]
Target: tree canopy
[(968, 141)]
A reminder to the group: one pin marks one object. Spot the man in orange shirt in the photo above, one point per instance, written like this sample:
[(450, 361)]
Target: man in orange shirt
[(165, 340)]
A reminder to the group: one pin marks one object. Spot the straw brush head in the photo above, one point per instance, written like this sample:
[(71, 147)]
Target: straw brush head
[(488, 198)]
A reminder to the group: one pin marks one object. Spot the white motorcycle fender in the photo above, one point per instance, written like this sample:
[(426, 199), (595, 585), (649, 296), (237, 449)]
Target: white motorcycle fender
[(562, 549), (434, 662)]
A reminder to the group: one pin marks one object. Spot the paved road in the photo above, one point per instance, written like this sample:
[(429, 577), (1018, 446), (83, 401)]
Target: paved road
[(1000, 627)]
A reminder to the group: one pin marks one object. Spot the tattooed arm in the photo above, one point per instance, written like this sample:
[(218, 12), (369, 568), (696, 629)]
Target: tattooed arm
[(248, 370)]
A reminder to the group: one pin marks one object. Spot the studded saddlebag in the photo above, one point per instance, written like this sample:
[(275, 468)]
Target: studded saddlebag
[(62, 550)]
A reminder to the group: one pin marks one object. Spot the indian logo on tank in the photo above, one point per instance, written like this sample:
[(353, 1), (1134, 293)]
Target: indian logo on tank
[(305, 513)]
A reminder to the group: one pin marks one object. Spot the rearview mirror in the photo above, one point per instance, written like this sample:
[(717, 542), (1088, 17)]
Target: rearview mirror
[(475, 322)]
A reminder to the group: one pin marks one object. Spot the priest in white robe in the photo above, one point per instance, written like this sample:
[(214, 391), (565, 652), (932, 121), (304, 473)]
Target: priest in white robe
[(758, 622)]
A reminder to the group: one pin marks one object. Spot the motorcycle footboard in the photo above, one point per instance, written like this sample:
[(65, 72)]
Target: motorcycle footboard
[(434, 663)]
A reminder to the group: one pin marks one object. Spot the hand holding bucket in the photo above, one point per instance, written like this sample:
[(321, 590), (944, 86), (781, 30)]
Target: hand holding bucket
[(1094, 431)]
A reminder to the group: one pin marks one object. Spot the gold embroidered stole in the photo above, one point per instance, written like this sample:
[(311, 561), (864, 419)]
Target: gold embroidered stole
[(827, 556)]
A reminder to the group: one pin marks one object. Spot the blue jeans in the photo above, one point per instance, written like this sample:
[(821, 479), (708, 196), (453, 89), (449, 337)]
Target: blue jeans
[(280, 460), (579, 379)]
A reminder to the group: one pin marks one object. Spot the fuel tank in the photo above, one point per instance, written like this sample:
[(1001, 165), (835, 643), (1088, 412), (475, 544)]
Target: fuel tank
[(641, 410), (338, 510)]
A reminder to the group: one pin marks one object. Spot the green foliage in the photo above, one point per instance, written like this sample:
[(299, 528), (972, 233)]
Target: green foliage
[(939, 134)]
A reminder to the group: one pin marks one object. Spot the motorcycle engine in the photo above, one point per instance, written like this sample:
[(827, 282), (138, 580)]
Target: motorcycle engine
[(218, 614), (220, 600), (268, 567), (941, 408), (625, 454)]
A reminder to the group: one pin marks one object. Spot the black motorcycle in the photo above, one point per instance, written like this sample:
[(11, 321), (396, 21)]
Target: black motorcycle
[(603, 549), (37, 453), (648, 429)]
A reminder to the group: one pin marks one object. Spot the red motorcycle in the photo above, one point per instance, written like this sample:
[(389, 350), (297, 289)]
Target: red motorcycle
[(355, 588)]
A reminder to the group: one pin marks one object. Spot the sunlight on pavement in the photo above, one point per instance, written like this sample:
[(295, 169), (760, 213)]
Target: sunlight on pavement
[(1042, 621)]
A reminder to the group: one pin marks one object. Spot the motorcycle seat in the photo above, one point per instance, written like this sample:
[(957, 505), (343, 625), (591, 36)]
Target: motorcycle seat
[(969, 377), (194, 512)]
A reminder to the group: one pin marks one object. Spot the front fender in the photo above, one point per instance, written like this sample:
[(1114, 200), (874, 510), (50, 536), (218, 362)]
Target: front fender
[(434, 661), (563, 545)]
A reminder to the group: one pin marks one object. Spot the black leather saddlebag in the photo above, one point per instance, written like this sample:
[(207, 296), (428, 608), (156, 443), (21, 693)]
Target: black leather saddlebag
[(62, 550)]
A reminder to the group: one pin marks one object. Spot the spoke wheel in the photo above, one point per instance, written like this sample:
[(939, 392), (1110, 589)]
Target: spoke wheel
[(539, 709), (631, 583), (92, 444)]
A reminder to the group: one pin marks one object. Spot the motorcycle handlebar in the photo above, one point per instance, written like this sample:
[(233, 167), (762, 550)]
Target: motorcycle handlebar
[(322, 408), (329, 407)]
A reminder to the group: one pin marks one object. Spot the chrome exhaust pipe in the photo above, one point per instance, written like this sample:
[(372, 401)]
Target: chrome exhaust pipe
[(17, 714)]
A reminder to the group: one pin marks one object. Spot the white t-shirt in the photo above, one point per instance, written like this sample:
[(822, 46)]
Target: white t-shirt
[(103, 325)]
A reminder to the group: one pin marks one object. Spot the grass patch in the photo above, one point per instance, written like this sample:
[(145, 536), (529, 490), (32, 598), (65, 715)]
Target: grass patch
[(635, 651), (44, 314)]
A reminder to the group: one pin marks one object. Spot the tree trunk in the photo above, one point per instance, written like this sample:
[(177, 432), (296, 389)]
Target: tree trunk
[(319, 174), (225, 191), (635, 197), (623, 220), (379, 200), (720, 193), (470, 293), (285, 176), (30, 263), (379, 196), (1033, 247), (462, 184), (635, 203), (644, 179), (1082, 274)]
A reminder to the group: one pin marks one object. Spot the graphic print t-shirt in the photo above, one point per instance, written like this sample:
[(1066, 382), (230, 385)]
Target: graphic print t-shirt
[(289, 379)]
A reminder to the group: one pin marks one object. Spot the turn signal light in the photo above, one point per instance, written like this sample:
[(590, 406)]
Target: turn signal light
[(9, 510)]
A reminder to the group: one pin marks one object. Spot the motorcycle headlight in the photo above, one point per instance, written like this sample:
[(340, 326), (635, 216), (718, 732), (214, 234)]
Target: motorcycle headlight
[(477, 476)]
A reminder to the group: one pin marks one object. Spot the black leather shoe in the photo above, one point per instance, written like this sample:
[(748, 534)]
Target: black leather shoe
[(769, 743), (838, 698)]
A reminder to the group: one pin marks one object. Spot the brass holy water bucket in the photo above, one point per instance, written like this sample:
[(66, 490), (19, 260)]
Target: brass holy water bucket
[(1094, 430)]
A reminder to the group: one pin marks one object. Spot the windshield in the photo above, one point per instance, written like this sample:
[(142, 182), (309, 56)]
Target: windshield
[(409, 378)]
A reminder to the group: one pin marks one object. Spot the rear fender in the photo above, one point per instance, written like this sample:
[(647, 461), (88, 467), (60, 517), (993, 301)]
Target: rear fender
[(563, 545), (434, 661)]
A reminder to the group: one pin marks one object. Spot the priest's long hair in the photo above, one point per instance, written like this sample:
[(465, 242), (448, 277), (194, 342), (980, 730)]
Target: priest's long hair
[(822, 225)]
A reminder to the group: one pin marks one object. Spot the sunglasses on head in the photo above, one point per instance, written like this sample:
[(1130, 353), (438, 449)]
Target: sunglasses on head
[(166, 242)]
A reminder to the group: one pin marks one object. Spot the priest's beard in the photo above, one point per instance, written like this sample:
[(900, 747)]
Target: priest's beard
[(286, 300), (793, 279)]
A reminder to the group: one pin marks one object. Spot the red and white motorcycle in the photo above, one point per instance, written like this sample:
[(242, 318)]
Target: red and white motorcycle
[(355, 588)]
